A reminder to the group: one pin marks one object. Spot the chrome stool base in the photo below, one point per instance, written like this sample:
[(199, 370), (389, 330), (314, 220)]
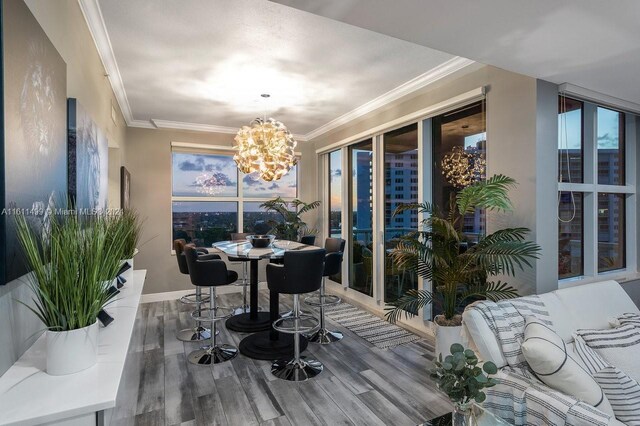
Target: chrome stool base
[(324, 336), (296, 370), (213, 355), (195, 334)]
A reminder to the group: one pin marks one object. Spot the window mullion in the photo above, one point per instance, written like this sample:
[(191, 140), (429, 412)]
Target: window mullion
[(590, 217)]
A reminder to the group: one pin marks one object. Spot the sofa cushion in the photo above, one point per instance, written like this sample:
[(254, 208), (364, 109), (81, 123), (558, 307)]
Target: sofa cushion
[(623, 393), (618, 346), (547, 355)]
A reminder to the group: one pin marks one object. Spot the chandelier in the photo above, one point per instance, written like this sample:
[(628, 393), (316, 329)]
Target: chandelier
[(265, 147), (462, 167)]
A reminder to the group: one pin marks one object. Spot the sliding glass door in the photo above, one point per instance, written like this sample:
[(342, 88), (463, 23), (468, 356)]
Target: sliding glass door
[(361, 250), (400, 186)]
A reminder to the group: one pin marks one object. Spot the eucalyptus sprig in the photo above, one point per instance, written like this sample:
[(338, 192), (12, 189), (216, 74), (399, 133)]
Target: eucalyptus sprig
[(461, 376)]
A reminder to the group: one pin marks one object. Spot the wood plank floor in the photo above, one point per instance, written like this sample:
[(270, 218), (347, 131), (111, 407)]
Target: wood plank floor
[(361, 384)]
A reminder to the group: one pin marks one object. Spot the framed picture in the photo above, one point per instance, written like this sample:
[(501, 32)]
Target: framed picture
[(34, 144), (125, 188), (88, 148)]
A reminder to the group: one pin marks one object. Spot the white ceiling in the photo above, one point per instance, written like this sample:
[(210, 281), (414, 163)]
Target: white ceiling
[(208, 61), (593, 44)]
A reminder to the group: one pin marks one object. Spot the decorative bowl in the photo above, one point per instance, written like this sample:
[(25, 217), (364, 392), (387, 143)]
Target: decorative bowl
[(261, 241)]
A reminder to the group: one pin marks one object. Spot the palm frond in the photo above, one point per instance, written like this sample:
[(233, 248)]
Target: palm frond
[(493, 291), (412, 301), (506, 256), (421, 207), (491, 194)]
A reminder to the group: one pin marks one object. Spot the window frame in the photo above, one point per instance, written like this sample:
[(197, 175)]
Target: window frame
[(240, 199), (590, 188)]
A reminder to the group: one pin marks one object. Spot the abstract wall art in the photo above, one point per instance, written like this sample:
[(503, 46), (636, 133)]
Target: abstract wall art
[(34, 144), (125, 188), (88, 149)]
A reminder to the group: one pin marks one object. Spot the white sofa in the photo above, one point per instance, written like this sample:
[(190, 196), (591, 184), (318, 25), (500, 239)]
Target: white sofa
[(584, 306)]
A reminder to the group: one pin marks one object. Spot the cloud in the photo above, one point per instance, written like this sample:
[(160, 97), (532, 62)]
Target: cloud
[(250, 180), (200, 163), (608, 141), (337, 172), (274, 186), (189, 166)]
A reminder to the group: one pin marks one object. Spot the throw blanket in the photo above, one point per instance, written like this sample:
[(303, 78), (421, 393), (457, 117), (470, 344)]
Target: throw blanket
[(506, 320), (523, 400)]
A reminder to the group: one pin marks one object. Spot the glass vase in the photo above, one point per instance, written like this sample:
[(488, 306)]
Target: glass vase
[(463, 415)]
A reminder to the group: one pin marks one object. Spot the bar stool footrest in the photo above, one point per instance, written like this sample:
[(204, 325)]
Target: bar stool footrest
[(322, 300), (190, 299), (305, 324), (227, 312)]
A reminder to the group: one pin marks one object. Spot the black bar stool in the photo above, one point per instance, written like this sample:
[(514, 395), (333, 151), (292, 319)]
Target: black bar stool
[(332, 266), (300, 273), (211, 273), (244, 279), (197, 333)]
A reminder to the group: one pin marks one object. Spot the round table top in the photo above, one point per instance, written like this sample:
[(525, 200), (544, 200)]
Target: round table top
[(244, 249)]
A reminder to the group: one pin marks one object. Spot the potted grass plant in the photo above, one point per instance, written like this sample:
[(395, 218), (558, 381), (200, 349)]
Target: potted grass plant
[(132, 230), (460, 271), (73, 263), (291, 226)]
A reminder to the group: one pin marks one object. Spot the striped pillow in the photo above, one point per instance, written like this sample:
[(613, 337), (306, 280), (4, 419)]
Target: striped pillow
[(623, 393), (589, 358), (619, 347)]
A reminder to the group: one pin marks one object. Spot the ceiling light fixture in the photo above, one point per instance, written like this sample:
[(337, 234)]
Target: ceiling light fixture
[(265, 146)]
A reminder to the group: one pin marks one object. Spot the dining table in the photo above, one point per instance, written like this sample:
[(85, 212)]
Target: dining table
[(264, 342)]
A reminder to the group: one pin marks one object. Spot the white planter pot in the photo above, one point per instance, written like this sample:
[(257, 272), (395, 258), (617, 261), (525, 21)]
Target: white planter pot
[(447, 336), (71, 351)]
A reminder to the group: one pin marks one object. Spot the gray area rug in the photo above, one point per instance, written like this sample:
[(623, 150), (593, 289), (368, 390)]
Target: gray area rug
[(370, 327)]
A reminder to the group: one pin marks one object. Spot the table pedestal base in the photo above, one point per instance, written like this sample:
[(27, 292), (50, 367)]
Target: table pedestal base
[(244, 324), (260, 346)]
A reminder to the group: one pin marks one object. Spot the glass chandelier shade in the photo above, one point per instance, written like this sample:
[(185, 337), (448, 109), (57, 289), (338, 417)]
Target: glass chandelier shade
[(462, 167), (211, 183), (266, 147)]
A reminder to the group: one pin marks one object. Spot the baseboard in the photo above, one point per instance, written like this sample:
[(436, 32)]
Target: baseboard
[(174, 295)]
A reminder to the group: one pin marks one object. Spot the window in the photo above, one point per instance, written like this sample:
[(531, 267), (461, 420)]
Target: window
[(593, 191), (208, 203), (459, 132)]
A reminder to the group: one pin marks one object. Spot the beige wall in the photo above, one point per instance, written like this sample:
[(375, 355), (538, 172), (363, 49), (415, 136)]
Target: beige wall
[(65, 25), (149, 162)]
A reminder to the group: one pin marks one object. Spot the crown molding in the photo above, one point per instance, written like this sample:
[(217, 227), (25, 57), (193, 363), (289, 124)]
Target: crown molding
[(93, 16), (167, 124), (423, 80), (143, 124)]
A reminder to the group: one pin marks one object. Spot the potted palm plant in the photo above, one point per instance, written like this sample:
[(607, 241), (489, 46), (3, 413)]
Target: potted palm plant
[(460, 272), (73, 263), (291, 226)]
